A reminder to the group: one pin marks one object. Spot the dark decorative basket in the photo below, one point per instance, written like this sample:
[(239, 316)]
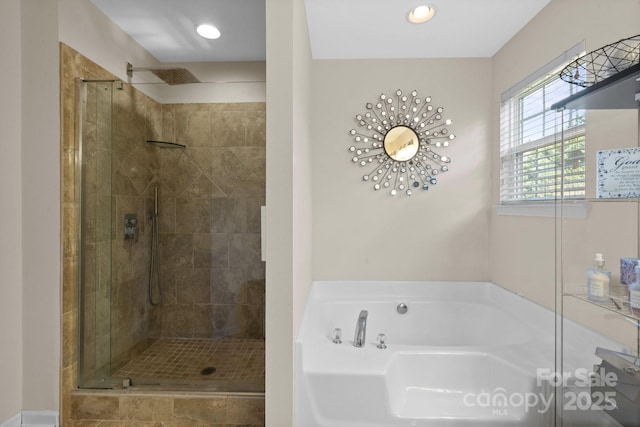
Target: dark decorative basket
[(602, 63)]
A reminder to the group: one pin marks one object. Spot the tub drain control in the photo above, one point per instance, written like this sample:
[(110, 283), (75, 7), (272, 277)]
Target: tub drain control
[(402, 308)]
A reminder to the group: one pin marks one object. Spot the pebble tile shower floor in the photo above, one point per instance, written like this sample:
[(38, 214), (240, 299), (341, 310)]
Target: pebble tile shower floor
[(239, 363)]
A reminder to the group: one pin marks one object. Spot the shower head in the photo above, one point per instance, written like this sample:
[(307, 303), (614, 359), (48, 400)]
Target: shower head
[(171, 76), (166, 144)]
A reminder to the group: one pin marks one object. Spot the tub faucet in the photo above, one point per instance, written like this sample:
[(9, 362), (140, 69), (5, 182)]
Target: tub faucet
[(361, 329)]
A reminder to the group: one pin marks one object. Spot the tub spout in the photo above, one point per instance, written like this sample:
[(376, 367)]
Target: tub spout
[(361, 329)]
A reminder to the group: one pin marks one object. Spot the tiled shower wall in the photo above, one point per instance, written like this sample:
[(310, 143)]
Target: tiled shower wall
[(135, 174), (210, 194), (210, 220)]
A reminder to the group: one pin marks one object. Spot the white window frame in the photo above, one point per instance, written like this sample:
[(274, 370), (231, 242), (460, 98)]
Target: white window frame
[(512, 199)]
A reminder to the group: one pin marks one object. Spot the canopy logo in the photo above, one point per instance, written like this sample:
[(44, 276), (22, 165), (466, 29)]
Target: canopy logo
[(500, 401), (573, 387)]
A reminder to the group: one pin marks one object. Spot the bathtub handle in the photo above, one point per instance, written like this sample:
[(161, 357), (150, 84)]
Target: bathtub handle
[(382, 341), (337, 336)]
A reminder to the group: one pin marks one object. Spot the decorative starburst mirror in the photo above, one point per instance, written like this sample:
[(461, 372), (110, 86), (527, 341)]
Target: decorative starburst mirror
[(399, 143)]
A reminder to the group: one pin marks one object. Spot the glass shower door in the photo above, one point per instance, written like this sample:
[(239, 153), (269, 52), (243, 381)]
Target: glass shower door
[(597, 333), (94, 148)]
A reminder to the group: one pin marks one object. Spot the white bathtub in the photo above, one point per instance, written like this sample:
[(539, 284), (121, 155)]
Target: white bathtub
[(464, 354)]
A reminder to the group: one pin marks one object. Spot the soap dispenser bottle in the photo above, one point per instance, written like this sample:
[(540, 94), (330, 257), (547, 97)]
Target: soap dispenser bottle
[(598, 281), (634, 292)]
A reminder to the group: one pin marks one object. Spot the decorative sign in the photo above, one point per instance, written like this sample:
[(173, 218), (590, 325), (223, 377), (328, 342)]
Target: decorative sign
[(618, 174)]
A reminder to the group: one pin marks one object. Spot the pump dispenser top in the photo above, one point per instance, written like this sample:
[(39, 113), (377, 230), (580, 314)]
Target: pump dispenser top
[(599, 260), (598, 281)]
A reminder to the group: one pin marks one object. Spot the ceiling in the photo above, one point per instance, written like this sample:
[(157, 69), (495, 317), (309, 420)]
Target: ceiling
[(341, 29), (338, 29), (166, 28)]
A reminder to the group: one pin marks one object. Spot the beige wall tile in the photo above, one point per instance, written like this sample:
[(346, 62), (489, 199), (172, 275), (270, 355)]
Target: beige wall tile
[(85, 407), (70, 292), (200, 410), (245, 411), (146, 408)]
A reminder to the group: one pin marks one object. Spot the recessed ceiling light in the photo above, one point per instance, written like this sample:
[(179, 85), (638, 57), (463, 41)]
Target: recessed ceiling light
[(421, 14), (208, 31)]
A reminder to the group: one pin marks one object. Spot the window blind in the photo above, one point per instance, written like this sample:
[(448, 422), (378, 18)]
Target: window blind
[(542, 152)]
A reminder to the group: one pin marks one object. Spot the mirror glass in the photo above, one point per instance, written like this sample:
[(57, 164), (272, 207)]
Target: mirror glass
[(401, 143)]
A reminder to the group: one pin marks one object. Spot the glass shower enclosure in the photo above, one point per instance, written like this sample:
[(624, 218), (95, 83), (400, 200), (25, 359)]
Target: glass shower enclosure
[(597, 328), (206, 331), (95, 140)]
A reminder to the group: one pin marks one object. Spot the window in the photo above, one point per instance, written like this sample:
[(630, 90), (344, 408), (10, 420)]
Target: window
[(541, 151)]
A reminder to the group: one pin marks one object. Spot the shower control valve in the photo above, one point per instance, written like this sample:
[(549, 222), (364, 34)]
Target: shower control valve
[(131, 227)]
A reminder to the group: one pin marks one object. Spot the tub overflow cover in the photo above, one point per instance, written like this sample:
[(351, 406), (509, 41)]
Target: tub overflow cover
[(402, 308)]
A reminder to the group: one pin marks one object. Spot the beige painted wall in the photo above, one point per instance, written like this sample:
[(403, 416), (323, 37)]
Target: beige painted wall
[(279, 216), (10, 213), (31, 250), (41, 268), (523, 248), (302, 165), (288, 267), (363, 234)]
